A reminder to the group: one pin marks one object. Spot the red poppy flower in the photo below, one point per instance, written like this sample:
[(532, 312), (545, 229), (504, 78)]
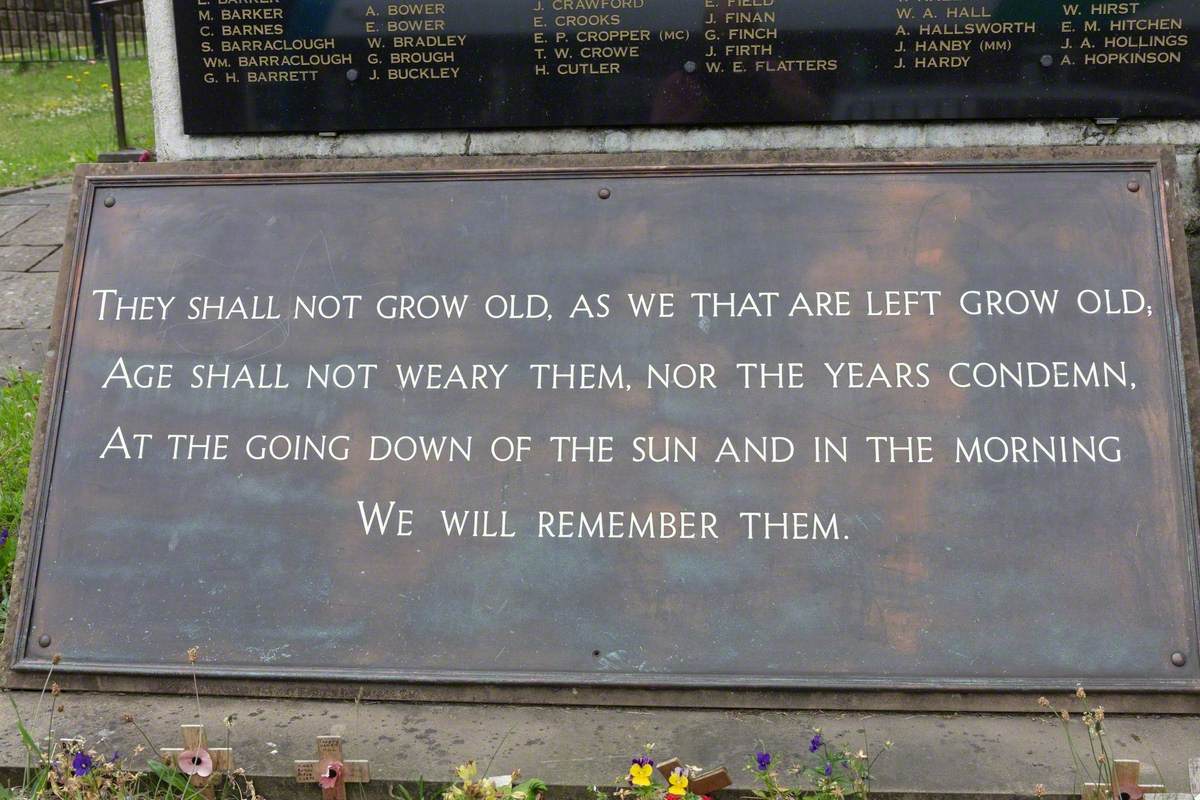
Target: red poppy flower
[(329, 777)]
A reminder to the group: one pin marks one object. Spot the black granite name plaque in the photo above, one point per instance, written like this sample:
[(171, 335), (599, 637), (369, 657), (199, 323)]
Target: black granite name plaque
[(265, 66), (674, 426)]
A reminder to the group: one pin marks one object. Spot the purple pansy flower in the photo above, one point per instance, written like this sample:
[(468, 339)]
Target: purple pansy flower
[(828, 769), (81, 765), (815, 744), (3, 536), (764, 760), (639, 771)]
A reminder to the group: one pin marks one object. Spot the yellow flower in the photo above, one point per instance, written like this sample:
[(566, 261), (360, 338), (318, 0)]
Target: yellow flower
[(679, 781), (1080, 693), (639, 774), (467, 772)]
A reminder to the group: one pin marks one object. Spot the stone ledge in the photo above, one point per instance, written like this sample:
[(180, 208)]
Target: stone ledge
[(572, 748)]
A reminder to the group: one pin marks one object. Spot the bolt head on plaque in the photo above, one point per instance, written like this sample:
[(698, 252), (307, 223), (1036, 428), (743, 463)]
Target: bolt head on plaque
[(110, 201), (604, 193), (1047, 60), (351, 74), (44, 640), (1133, 186), (689, 66), (1178, 659)]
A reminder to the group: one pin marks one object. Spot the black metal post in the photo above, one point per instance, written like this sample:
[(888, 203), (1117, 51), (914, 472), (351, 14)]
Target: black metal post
[(114, 72), (96, 22)]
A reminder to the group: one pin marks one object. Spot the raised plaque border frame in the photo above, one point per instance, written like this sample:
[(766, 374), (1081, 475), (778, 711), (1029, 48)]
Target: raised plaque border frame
[(858, 693)]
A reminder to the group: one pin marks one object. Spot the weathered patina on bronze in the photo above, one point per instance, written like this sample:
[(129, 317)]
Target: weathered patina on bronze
[(981, 577)]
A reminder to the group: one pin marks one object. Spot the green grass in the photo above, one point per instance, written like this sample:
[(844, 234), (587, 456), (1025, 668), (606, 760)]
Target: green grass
[(18, 410), (58, 115)]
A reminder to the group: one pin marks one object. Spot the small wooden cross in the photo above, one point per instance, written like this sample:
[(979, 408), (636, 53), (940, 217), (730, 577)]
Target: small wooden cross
[(194, 739), (329, 752), (714, 780), (1127, 784)]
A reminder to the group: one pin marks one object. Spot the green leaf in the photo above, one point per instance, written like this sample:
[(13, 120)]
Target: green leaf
[(423, 792), (30, 744), (172, 776), (39, 783), (530, 789)]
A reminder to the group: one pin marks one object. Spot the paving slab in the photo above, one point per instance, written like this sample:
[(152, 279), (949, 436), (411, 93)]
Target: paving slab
[(39, 196), (12, 216), (27, 257), (47, 226), (23, 349), (52, 261), (27, 301), (31, 233)]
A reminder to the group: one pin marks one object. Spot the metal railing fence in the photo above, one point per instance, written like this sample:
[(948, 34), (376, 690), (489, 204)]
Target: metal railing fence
[(34, 31)]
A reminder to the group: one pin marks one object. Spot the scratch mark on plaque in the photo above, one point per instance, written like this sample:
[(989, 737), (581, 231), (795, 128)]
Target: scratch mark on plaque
[(850, 424), (920, 223), (268, 655), (614, 661)]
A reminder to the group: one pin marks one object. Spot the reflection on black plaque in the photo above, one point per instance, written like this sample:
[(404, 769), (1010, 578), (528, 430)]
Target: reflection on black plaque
[(358, 65), (743, 426)]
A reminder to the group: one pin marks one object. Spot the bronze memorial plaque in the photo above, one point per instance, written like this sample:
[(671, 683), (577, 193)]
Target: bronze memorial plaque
[(765, 425)]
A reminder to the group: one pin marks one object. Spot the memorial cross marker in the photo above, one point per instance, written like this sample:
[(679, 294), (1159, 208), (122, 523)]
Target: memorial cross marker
[(330, 770), (197, 760), (1127, 784), (702, 783)]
